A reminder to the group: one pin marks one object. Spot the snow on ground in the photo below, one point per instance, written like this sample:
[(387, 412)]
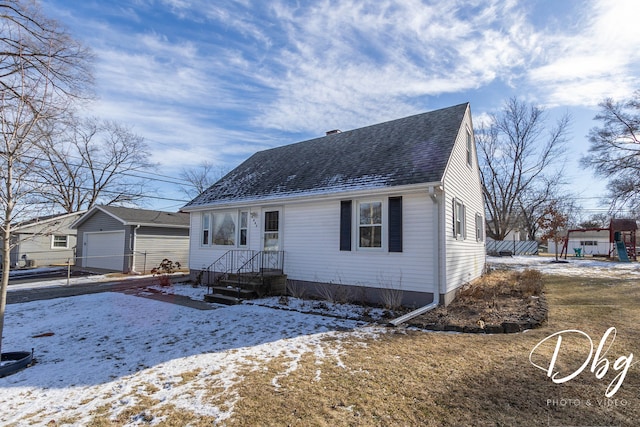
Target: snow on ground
[(586, 267), (110, 351), (345, 311)]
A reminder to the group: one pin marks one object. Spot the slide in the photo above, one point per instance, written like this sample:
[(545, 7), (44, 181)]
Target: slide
[(622, 252)]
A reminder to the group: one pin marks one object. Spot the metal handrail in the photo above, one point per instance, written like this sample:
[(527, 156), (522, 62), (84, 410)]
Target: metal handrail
[(243, 262), (224, 265), (259, 269)]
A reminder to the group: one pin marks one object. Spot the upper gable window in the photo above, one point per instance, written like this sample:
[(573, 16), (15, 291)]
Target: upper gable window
[(370, 224), (469, 148)]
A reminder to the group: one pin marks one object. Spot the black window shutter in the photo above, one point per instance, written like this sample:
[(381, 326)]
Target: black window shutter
[(345, 225), (395, 224)]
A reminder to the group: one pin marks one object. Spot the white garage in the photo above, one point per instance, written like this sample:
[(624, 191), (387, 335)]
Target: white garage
[(104, 249)]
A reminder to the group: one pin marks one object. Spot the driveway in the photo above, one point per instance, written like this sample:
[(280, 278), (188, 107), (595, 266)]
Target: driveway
[(42, 290)]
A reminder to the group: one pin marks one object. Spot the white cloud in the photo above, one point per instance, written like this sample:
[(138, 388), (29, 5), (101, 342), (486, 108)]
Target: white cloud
[(226, 78), (600, 60), (368, 61)]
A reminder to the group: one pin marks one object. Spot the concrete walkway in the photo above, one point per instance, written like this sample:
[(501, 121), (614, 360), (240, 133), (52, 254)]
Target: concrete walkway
[(129, 285)]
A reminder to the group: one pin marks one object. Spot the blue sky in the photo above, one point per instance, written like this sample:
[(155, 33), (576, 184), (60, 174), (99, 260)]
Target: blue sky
[(219, 80)]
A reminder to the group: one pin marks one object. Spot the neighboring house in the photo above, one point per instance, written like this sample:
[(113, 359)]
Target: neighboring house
[(44, 241), (589, 242), (131, 240), (396, 206)]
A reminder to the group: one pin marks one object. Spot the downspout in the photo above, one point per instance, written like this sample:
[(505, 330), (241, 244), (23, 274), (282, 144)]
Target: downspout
[(436, 295), (133, 250)]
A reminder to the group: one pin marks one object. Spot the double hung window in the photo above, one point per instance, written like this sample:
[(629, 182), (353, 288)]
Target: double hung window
[(370, 225), (60, 242), (459, 231), (206, 229), (479, 228)]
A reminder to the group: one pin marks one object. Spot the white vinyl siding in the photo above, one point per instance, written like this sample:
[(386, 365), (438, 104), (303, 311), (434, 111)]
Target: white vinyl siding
[(465, 258), (313, 253), (152, 249)]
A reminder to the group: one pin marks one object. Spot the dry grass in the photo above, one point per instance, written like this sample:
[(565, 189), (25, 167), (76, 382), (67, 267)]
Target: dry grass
[(438, 379), (498, 283), (409, 377)]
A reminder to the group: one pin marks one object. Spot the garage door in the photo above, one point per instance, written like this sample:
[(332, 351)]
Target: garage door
[(104, 250)]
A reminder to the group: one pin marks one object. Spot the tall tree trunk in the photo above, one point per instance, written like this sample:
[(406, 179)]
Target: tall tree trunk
[(6, 247)]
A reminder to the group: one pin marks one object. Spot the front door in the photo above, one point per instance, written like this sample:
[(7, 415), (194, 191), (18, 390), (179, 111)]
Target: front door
[(272, 237)]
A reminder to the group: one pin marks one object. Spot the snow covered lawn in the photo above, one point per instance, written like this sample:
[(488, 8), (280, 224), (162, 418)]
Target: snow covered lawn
[(118, 353), (586, 267)]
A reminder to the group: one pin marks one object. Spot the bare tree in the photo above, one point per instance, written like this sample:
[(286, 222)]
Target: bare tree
[(42, 70), (93, 162), (599, 220), (198, 179), (518, 155), (614, 152), (41, 52)]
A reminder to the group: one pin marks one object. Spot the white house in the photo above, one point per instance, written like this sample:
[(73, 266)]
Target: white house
[(44, 241), (395, 206), (587, 242)]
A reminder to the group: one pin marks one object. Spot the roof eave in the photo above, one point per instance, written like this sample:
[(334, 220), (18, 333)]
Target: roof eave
[(305, 197), (151, 224)]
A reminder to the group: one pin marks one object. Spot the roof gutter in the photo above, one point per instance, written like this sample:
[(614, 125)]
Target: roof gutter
[(435, 196), (304, 197)]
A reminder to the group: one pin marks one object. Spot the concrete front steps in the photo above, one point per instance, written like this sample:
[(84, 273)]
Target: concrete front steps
[(240, 287)]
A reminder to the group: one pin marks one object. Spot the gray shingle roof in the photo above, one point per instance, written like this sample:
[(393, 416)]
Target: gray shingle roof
[(410, 150), (131, 216)]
